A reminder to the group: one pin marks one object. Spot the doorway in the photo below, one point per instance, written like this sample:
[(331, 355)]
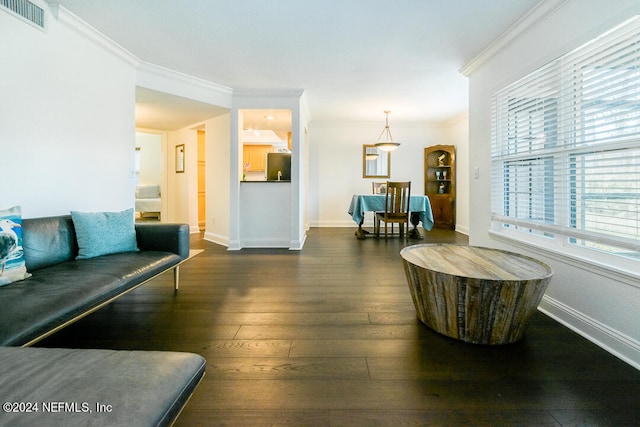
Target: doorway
[(149, 171), (202, 199)]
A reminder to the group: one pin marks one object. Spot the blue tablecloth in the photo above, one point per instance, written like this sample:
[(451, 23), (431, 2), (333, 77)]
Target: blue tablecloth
[(361, 203)]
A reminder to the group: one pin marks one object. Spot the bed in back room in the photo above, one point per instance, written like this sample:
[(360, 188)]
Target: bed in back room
[(148, 201)]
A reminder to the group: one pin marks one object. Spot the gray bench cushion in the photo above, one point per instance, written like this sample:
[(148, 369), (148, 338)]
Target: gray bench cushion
[(59, 293), (138, 388)]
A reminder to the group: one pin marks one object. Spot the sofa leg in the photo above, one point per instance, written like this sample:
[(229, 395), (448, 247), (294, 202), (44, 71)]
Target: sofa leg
[(176, 277)]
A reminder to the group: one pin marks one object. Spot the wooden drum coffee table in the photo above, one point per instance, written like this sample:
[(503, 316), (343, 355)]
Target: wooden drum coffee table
[(478, 295)]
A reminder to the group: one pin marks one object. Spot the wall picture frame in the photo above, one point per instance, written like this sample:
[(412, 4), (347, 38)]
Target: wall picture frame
[(180, 158)]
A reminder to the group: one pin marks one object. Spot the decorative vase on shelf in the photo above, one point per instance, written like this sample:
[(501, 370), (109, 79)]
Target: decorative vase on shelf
[(438, 175), (247, 166), (441, 188), (444, 174)]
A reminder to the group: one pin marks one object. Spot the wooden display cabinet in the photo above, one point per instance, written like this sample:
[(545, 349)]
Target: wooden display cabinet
[(440, 184)]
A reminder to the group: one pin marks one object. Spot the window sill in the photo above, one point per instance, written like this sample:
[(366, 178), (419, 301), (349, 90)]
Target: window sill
[(594, 263)]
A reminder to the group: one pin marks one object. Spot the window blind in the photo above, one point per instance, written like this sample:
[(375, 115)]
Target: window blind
[(565, 147)]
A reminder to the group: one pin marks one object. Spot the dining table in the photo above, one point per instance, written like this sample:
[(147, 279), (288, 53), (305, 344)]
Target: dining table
[(419, 208)]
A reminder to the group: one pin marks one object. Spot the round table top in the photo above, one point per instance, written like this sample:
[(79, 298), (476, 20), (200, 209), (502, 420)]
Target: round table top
[(475, 262)]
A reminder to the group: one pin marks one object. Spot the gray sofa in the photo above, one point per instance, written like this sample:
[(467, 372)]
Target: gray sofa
[(134, 387), (68, 387), (63, 289)]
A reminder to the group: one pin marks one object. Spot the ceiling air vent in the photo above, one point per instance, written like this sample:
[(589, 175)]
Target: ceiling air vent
[(26, 10)]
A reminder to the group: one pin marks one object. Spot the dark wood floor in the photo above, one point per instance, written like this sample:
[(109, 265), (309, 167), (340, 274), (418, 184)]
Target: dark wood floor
[(327, 336)]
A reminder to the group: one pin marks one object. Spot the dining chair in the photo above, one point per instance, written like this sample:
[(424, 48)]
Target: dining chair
[(396, 208), (379, 187)]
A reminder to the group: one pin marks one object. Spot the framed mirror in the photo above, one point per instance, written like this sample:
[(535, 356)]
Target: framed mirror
[(180, 158), (375, 162)]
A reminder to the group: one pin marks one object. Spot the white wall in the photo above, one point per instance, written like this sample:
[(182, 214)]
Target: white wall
[(182, 188), (600, 304), (151, 158), (217, 136), (335, 162), (457, 133), (267, 221), (67, 124)]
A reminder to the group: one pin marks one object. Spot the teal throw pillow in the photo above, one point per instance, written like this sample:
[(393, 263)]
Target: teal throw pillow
[(102, 233), (12, 267)]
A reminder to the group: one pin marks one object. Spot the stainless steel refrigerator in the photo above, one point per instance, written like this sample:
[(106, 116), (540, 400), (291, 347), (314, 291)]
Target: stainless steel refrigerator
[(278, 167)]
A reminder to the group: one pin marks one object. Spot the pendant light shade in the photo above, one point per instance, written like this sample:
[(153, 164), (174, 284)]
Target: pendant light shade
[(385, 140)]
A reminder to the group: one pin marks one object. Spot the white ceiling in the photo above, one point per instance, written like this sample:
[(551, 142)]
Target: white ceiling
[(162, 111), (354, 58)]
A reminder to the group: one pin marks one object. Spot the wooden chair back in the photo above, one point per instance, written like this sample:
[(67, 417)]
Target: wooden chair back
[(397, 200), (396, 207), (379, 187)]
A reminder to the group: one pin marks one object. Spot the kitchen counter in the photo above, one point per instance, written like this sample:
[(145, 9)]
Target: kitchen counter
[(265, 214)]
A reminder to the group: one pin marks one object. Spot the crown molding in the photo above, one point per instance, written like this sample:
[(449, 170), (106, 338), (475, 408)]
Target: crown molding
[(524, 25), (82, 28), (262, 93), (150, 75), (456, 119), (177, 76), (163, 79)]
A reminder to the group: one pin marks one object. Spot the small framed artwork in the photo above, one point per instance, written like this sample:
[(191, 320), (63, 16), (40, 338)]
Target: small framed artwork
[(180, 158)]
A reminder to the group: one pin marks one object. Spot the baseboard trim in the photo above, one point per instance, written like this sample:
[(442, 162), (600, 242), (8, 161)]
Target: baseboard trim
[(265, 242), (297, 245), (462, 229), (332, 223), (216, 238), (620, 345)]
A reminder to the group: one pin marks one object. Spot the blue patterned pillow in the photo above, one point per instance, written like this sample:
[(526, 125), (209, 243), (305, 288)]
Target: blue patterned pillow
[(102, 233), (12, 267)]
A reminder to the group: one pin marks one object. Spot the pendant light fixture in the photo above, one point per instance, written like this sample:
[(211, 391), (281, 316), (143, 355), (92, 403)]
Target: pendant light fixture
[(385, 140)]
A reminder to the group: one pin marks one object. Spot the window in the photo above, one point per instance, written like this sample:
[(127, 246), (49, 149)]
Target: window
[(565, 149)]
